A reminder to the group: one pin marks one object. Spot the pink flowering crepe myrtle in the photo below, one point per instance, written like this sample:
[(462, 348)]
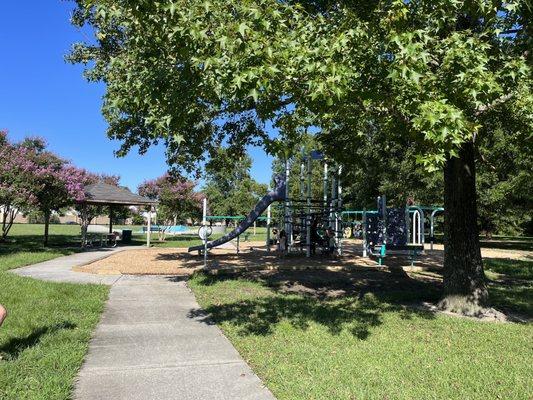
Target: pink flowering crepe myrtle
[(177, 188), (32, 178), (177, 198)]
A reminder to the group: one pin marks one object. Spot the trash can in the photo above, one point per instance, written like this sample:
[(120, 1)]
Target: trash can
[(126, 236)]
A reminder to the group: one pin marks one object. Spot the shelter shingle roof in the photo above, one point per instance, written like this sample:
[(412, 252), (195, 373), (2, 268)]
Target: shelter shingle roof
[(103, 193)]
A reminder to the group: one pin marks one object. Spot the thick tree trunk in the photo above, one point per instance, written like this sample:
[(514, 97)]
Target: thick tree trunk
[(84, 226), (4, 226), (86, 219), (464, 279), (8, 218), (46, 226)]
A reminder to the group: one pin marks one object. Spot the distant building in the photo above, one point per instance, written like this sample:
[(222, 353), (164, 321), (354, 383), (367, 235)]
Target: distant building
[(69, 216)]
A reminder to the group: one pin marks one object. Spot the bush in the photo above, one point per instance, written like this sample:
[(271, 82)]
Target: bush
[(137, 219)]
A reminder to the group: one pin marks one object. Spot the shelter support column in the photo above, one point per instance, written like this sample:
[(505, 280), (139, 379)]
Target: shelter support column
[(110, 219), (149, 227)]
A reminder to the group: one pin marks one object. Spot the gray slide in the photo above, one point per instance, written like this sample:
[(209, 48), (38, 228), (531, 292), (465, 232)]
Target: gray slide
[(278, 194)]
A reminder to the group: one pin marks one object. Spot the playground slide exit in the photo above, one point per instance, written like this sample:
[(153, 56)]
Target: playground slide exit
[(278, 194)]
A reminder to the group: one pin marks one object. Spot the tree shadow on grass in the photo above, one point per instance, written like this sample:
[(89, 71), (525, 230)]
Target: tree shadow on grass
[(11, 350), (303, 298), (511, 269), (512, 289), (65, 244), (523, 245)]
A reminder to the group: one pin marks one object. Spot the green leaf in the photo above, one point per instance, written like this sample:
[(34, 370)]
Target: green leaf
[(254, 94), (243, 28)]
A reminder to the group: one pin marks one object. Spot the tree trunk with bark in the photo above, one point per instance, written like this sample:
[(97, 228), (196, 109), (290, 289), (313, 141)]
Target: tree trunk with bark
[(46, 226), (86, 217), (8, 217), (465, 290)]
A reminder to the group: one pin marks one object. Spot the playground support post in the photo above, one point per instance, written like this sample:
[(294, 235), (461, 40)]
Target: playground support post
[(268, 229), (303, 219), (364, 234), (415, 237), (431, 229), (288, 230), (432, 225), (338, 228), (382, 209), (204, 224), (308, 217), (420, 234), (331, 222), (325, 184)]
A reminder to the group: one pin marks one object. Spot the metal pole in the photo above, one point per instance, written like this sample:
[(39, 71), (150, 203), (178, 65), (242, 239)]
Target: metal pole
[(303, 219), (431, 231), (149, 228), (332, 200), (364, 233), (383, 211), (325, 185), (419, 228), (339, 229), (308, 218), (287, 216), (432, 224), (414, 228), (326, 212), (268, 229), (204, 225)]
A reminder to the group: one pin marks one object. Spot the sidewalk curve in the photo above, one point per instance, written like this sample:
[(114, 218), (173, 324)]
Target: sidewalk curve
[(151, 342)]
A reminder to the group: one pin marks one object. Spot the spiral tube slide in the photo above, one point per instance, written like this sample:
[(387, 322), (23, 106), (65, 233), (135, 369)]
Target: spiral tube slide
[(278, 194)]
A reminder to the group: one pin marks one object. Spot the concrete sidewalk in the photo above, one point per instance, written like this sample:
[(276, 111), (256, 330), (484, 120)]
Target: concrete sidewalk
[(60, 269), (153, 342)]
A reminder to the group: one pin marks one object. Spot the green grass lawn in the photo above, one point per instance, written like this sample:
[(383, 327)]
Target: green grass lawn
[(511, 285), (362, 346), (45, 336), (368, 346), (61, 236)]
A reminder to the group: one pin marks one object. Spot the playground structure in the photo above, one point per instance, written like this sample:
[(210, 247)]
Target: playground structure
[(314, 221), (392, 230), (309, 223)]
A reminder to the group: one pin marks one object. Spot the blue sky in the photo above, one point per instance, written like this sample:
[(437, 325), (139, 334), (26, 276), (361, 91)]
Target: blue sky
[(42, 95)]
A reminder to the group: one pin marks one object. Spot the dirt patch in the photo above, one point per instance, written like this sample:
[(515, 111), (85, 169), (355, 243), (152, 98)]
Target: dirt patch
[(484, 314), (254, 256), (356, 282), (321, 277), (525, 255), (153, 261)]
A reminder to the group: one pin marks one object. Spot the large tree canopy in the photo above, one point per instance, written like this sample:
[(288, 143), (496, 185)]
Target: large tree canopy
[(200, 73), (195, 73)]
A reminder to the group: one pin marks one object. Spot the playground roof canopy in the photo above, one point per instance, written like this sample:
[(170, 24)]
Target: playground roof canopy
[(104, 194)]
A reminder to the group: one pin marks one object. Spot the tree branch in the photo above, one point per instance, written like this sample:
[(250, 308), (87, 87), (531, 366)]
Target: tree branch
[(487, 107)]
